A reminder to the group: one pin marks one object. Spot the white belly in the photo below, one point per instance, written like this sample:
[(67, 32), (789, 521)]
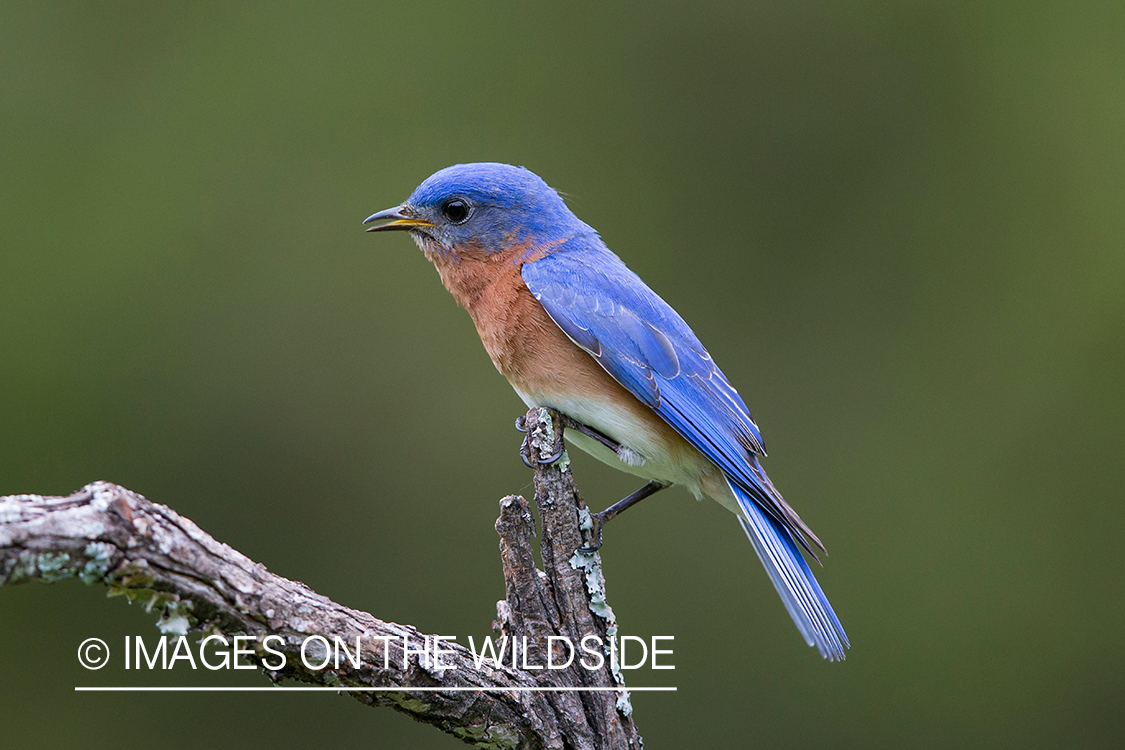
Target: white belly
[(647, 453)]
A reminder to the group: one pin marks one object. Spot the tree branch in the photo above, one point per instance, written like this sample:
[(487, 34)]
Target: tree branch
[(106, 534)]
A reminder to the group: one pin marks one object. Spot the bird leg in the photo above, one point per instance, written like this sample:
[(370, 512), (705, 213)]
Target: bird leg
[(599, 519), (573, 424)]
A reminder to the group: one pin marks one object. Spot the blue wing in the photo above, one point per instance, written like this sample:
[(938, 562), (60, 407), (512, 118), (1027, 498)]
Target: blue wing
[(647, 347)]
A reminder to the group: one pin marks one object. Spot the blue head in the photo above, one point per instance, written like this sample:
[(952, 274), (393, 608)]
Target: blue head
[(484, 205)]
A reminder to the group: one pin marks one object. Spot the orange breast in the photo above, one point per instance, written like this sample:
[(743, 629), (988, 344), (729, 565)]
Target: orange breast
[(522, 340), (538, 358)]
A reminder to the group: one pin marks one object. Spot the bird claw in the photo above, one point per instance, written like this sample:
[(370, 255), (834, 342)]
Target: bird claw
[(525, 454), (597, 521), (525, 447), (550, 459)]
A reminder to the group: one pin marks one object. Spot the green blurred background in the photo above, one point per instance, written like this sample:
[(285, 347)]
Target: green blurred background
[(897, 226)]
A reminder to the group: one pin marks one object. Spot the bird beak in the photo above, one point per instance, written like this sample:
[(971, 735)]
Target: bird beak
[(400, 218)]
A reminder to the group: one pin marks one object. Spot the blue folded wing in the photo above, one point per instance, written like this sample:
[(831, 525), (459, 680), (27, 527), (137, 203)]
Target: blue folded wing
[(647, 347)]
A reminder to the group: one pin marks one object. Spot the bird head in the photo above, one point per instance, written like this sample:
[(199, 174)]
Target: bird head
[(484, 206)]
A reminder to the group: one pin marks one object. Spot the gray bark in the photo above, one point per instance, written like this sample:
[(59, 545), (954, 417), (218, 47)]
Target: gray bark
[(106, 534)]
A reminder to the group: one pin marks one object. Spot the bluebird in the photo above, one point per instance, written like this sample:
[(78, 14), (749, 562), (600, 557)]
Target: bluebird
[(573, 329)]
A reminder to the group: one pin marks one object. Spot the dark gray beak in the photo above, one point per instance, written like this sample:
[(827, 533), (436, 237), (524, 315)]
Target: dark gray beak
[(399, 218)]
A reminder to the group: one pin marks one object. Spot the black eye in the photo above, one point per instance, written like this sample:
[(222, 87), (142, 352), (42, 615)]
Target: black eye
[(456, 210)]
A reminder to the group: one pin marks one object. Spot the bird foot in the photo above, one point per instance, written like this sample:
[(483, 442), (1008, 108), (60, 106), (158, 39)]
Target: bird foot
[(599, 519), (525, 447), (598, 523)]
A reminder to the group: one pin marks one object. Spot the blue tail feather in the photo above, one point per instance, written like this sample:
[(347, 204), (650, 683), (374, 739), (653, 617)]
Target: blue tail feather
[(795, 583)]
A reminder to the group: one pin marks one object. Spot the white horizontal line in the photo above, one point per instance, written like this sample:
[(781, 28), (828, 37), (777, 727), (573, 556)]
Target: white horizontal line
[(309, 689)]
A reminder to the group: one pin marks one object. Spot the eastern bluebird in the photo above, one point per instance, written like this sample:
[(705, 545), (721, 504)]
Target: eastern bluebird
[(573, 329)]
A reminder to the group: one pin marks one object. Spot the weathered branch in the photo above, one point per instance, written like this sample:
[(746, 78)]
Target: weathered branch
[(106, 534)]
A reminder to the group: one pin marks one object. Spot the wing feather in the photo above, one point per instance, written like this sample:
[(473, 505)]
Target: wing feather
[(647, 347)]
